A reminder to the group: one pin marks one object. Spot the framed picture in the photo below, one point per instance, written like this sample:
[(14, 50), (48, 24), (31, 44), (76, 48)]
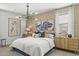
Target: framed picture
[(14, 27), (43, 25), (64, 29)]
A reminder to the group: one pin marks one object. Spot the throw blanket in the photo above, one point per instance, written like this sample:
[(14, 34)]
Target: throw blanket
[(33, 46)]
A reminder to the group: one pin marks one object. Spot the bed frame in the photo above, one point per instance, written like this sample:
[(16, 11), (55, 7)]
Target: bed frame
[(25, 54)]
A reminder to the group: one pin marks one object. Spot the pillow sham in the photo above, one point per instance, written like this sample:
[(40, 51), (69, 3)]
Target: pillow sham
[(50, 36)]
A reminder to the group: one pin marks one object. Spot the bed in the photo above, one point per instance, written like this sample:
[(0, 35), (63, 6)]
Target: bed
[(33, 46)]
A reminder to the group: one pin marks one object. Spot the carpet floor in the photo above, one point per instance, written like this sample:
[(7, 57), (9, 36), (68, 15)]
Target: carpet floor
[(6, 51)]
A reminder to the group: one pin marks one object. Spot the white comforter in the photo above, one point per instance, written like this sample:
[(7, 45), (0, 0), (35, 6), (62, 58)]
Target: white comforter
[(33, 46)]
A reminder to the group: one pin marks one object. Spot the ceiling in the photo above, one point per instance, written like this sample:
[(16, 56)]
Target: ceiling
[(34, 7)]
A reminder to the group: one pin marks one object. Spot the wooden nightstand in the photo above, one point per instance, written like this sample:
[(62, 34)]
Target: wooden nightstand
[(27, 34)]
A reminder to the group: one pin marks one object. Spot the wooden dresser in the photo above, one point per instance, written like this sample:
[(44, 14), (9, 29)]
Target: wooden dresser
[(71, 44)]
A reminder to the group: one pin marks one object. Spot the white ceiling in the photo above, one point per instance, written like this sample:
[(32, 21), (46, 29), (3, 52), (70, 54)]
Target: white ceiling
[(34, 7)]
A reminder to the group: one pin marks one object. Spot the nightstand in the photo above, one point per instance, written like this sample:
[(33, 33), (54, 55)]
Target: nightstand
[(27, 34), (3, 42)]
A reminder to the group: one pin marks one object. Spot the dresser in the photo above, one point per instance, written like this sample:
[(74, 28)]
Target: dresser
[(71, 44)]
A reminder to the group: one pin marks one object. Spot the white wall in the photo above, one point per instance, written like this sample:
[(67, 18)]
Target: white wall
[(69, 17), (4, 15)]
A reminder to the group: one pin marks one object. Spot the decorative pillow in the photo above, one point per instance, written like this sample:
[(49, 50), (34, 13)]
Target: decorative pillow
[(50, 36), (33, 34), (37, 35)]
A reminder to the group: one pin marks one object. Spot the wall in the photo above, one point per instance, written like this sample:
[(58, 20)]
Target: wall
[(76, 20), (4, 15), (49, 15)]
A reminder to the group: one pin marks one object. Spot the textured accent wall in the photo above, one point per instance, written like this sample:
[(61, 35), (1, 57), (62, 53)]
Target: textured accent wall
[(49, 15)]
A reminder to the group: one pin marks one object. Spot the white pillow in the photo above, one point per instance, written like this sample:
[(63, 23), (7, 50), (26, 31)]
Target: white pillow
[(37, 35), (50, 36)]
